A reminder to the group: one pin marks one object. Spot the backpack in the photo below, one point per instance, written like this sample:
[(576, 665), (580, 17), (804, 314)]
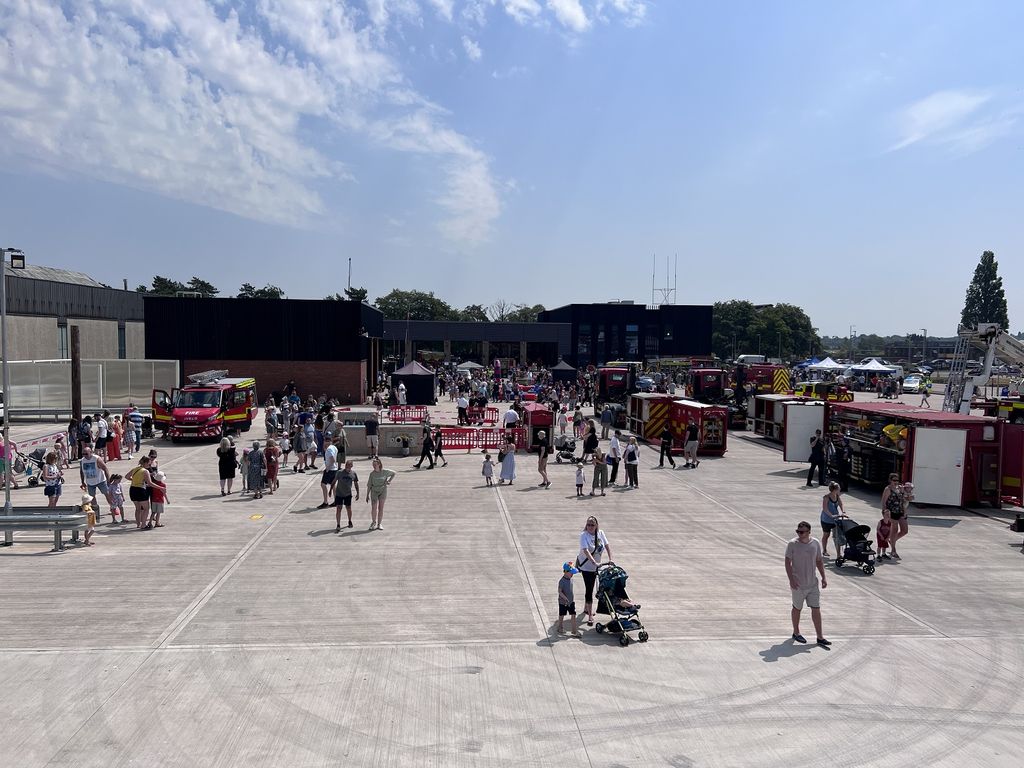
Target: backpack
[(84, 432)]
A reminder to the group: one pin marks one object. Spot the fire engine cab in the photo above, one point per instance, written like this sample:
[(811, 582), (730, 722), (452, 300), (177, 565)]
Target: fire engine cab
[(210, 406)]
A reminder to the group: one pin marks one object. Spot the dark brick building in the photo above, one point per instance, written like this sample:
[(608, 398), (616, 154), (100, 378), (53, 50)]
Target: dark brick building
[(326, 347), (627, 331)]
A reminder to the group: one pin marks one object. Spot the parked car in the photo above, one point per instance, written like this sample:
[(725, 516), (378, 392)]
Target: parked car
[(914, 383), (645, 384), (925, 369)]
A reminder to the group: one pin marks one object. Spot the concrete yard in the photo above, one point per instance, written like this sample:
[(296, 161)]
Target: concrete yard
[(247, 633)]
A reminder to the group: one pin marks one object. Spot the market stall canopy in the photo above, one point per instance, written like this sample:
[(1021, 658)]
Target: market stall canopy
[(875, 366), (419, 383), (563, 372), (469, 365), (828, 364)]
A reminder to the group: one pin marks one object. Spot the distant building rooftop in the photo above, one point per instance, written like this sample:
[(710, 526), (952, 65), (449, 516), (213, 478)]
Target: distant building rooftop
[(37, 272)]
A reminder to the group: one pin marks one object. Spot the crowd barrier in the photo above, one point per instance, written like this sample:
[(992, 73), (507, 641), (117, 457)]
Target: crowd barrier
[(476, 438), (406, 414), (487, 415)]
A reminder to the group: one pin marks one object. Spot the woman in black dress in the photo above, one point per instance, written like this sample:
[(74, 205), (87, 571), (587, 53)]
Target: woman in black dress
[(227, 463)]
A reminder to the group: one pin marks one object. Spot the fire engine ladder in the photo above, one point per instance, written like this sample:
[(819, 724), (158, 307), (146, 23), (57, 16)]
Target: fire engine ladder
[(205, 377), (958, 372)]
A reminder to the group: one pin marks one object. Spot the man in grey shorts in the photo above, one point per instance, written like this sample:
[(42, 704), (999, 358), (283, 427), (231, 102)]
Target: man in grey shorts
[(803, 556), (346, 480)]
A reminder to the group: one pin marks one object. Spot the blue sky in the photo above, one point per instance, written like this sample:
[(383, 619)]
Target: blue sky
[(854, 159)]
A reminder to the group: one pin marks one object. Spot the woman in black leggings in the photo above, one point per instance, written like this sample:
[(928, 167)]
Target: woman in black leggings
[(593, 545)]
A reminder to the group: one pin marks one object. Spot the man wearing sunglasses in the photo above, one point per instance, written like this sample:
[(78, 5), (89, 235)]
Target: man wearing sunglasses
[(803, 556)]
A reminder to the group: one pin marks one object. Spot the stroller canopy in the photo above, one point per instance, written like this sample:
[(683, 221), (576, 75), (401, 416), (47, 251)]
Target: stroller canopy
[(853, 530)]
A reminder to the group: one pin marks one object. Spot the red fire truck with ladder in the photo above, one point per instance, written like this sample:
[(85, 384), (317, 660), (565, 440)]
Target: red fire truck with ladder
[(961, 388), (210, 406)]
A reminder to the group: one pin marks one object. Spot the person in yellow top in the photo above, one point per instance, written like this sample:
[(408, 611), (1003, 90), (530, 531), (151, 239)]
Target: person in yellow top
[(90, 518), (377, 492)]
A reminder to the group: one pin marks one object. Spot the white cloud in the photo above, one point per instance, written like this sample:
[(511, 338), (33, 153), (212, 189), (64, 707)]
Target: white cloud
[(963, 121), (443, 8), (185, 100), (570, 14), (522, 11), (633, 12), (472, 49)]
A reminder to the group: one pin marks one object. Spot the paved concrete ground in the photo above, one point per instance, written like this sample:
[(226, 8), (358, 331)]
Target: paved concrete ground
[(246, 633)]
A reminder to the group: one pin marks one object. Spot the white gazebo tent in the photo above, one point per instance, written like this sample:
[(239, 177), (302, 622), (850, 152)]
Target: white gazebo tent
[(874, 367), (828, 364)]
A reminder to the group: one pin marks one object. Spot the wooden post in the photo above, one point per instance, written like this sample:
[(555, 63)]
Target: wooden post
[(76, 373)]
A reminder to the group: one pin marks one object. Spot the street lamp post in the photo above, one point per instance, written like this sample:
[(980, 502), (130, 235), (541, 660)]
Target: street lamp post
[(924, 346), (17, 262), (852, 329)]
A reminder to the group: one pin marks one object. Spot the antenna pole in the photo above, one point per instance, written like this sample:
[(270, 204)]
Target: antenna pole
[(654, 269), (350, 273)]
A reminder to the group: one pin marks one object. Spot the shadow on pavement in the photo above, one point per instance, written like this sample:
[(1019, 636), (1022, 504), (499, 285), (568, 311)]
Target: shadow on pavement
[(783, 650)]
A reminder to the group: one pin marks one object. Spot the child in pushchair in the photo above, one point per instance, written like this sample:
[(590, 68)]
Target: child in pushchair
[(857, 547), (565, 448), (613, 600)]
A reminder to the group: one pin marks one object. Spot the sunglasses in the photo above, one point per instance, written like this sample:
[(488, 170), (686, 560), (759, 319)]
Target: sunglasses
[(803, 530)]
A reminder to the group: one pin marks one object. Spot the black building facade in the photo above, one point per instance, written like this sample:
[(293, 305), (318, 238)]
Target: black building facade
[(543, 343), (326, 347), (621, 331)]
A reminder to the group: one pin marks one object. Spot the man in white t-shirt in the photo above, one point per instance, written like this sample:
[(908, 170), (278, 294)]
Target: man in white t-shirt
[(615, 453), (511, 419), (102, 433), (330, 474), (401, 393), (463, 404)]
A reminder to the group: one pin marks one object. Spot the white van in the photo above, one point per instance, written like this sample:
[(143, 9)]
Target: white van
[(749, 359)]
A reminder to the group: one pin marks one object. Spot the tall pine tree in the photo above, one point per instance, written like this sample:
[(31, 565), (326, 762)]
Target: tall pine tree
[(986, 301)]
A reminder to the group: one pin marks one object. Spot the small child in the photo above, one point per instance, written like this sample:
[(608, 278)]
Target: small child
[(286, 447), (488, 470), (245, 470), (157, 500), (116, 498), (90, 518), (579, 479), (61, 449), (566, 605), (882, 538)]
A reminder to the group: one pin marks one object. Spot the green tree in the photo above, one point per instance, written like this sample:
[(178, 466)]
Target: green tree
[(525, 314), (356, 294), (249, 291), (986, 300), (416, 305), (739, 327), (201, 287), (334, 297), (474, 313), (163, 286)]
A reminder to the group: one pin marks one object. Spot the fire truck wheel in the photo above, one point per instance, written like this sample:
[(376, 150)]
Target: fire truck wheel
[(246, 426)]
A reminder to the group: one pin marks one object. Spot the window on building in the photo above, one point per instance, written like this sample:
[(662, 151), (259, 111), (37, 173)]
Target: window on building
[(122, 342), (583, 340), (632, 341), (63, 347), (651, 341), (600, 343)]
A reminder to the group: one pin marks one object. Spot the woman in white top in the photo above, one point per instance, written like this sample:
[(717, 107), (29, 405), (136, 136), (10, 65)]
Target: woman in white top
[(593, 545), (632, 457)]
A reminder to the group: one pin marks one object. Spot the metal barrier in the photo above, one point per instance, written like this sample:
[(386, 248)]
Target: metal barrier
[(56, 519), (486, 415), (406, 414), (476, 438)]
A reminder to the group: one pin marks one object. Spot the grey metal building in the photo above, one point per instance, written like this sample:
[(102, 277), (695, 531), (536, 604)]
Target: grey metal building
[(43, 302), (480, 342)]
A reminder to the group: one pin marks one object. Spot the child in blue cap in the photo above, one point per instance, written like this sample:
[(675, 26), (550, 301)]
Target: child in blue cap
[(566, 605)]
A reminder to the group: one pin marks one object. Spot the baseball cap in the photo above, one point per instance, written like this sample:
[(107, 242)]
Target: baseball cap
[(570, 568)]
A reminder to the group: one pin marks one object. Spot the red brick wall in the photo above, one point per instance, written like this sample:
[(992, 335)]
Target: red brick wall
[(343, 380)]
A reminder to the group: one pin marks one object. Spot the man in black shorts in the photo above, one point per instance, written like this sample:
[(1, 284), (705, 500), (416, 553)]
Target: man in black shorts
[(346, 480)]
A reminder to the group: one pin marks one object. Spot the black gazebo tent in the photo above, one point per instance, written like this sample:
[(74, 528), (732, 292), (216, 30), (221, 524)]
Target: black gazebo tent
[(563, 372), (419, 383)]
